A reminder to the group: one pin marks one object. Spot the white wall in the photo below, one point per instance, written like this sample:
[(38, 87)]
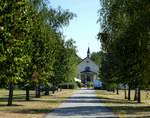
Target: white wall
[(87, 62)]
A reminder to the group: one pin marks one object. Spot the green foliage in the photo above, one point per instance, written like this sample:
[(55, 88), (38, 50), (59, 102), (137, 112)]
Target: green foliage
[(31, 42), (125, 37), (97, 57), (69, 85)]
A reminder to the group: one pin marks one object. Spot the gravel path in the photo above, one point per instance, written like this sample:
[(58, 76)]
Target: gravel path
[(83, 104)]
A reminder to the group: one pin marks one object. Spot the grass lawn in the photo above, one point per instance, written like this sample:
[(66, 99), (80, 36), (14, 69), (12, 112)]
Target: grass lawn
[(124, 108), (35, 108)]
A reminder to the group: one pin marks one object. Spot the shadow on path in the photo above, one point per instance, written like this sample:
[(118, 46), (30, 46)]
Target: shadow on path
[(82, 104), (81, 111)]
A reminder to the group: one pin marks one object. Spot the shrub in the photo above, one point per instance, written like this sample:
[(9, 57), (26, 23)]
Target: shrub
[(68, 85)]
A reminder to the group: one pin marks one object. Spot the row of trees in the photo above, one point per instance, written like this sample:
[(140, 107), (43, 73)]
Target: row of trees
[(125, 40), (32, 46)]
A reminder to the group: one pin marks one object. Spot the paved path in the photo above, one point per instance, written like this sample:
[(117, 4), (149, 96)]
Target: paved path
[(83, 104)]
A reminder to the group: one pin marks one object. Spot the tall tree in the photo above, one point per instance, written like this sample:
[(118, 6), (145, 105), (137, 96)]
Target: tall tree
[(126, 24), (15, 27), (30, 33)]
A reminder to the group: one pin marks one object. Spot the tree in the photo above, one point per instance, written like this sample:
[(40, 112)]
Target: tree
[(29, 35), (96, 57), (72, 60), (126, 24), (15, 27)]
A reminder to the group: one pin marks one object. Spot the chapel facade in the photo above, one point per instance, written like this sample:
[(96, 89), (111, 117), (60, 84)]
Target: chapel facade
[(87, 70)]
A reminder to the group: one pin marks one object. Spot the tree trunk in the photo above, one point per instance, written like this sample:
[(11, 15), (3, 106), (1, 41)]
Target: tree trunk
[(135, 95), (139, 95), (129, 93), (117, 90), (27, 93), (60, 88), (125, 93), (10, 98), (37, 91), (53, 91), (47, 92)]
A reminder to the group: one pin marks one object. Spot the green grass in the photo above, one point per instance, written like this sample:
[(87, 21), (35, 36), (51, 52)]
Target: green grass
[(35, 108), (124, 108)]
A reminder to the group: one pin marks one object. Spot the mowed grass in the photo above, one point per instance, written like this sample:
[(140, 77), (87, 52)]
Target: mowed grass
[(35, 108), (124, 108)]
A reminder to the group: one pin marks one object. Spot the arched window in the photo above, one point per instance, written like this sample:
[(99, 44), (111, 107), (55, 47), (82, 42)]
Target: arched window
[(87, 68)]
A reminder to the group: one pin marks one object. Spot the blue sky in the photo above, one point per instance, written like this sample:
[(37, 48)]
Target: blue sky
[(83, 29)]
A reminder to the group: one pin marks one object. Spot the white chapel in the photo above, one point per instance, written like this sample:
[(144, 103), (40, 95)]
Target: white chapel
[(88, 71)]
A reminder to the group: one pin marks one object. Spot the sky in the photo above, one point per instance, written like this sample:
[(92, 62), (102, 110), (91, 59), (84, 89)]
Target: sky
[(83, 28)]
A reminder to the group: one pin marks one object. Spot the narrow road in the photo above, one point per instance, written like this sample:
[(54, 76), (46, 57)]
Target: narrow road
[(83, 104)]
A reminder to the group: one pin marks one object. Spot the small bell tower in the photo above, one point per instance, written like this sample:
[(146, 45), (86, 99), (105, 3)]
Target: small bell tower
[(88, 52)]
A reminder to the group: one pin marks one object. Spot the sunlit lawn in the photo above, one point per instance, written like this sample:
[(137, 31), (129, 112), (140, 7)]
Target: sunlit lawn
[(35, 108), (124, 108)]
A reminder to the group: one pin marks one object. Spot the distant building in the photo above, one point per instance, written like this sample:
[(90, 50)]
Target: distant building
[(88, 71)]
